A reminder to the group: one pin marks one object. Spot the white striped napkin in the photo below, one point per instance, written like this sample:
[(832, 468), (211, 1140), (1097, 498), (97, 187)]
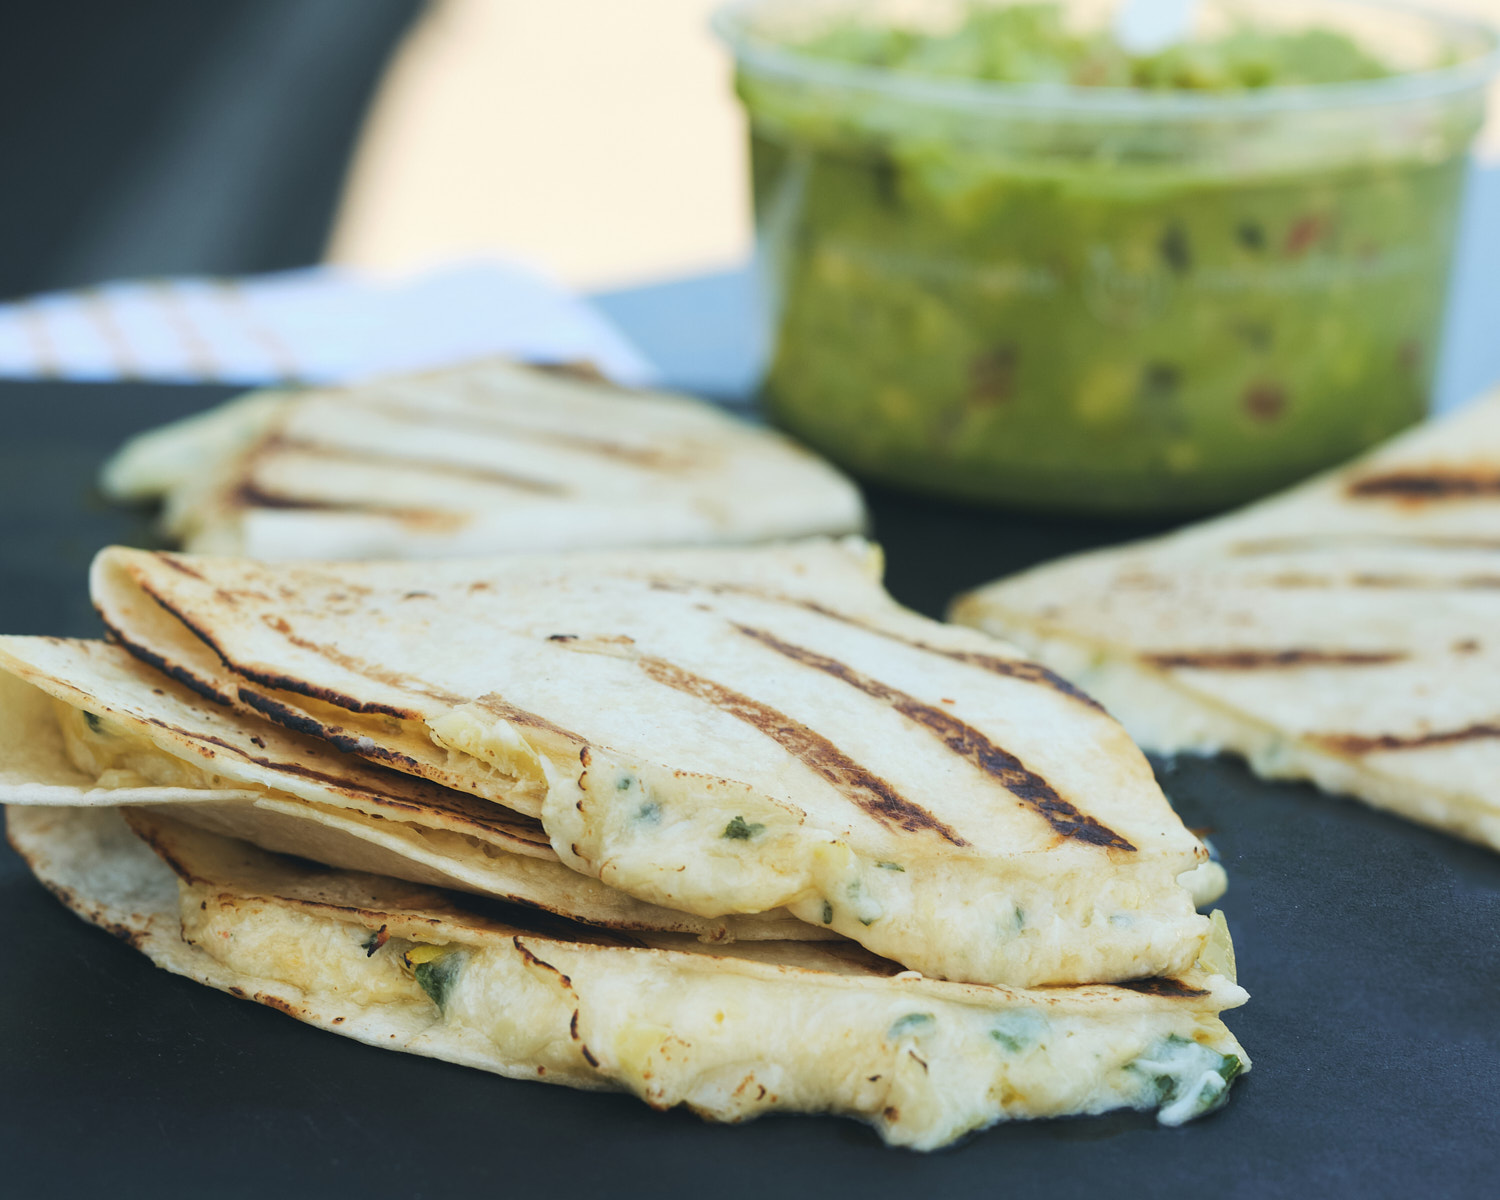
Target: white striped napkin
[(319, 325)]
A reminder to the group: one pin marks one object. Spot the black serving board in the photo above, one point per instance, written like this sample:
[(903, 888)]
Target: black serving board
[(1371, 949)]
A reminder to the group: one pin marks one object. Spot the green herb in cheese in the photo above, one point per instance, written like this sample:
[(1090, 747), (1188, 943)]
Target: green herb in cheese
[(1185, 1078), (741, 830)]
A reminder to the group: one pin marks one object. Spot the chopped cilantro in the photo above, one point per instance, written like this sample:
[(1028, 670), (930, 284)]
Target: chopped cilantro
[(437, 977), (741, 830), (827, 913), (910, 1025), (890, 866), (93, 722), (649, 813)]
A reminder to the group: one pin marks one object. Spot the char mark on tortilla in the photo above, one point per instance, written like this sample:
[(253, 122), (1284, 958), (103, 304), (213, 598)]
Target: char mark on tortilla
[(1172, 988), (1319, 543), (1427, 485), (648, 457), (250, 495), (477, 474), (293, 685), (862, 787), (965, 741), (181, 674), (1012, 668), (1263, 660), (1360, 743), (341, 739)]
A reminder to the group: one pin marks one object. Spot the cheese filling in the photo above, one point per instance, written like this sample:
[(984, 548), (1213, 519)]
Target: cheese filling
[(732, 1038)]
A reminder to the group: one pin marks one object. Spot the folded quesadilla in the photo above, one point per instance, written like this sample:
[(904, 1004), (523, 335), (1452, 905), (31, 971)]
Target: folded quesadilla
[(481, 459), (1346, 631), (729, 1033), (716, 732), (83, 723)]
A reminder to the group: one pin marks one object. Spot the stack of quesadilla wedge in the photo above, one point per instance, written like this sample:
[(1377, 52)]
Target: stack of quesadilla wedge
[(735, 830), (481, 459), (1346, 632)]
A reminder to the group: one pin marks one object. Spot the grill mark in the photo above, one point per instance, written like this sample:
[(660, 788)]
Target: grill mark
[(492, 702), (1427, 485), (1260, 660), (171, 560), (439, 799), (1026, 672), (288, 683), (965, 741), (491, 475), (1359, 743), (359, 666), (250, 495), (299, 722), (1371, 579), (647, 457), (866, 790), (1317, 543), (1171, 988), (152, 659)]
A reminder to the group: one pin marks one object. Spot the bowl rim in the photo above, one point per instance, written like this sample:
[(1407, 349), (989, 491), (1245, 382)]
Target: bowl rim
[(731, 22)]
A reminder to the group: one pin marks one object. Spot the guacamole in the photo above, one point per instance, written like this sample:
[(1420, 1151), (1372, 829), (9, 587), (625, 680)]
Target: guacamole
[(1136, 307)]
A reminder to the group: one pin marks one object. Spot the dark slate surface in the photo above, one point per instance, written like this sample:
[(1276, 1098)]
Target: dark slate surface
[(1371, 948)]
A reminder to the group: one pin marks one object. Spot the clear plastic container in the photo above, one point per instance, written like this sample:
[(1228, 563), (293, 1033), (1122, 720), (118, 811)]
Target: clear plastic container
[(1104, 299)]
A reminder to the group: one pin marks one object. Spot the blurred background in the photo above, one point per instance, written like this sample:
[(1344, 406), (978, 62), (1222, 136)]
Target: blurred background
[(596, 139)]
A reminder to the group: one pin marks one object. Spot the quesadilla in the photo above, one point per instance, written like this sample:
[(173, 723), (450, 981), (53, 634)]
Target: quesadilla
[(84, 723), (730, 1034), (716, 732), (481, 459), (1346, 631)]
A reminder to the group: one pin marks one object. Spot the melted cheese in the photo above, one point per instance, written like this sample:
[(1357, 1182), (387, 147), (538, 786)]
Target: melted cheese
[(731, 1038)]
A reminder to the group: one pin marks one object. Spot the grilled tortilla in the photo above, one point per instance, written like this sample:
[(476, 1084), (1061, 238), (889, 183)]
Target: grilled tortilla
[(84, 723), (730, 1034), (480, 459), (1346, 632), (717, 732)]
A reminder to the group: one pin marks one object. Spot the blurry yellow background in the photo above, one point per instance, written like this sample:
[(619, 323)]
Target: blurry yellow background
[(597, 139)]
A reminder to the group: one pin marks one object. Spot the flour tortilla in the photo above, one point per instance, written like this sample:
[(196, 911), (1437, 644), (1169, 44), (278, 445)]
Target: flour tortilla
[(152, 743), (717, 732), (1347, 631), (479, 459), (729, 1034)]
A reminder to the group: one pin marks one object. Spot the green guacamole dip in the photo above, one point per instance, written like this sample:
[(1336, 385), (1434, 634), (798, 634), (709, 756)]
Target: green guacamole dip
[(1168, 296)]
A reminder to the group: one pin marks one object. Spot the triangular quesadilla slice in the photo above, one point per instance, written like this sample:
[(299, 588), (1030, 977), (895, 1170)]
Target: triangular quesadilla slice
[(1346, 632), (479, 459), (718, 732), (729, 1033), (84, 723)]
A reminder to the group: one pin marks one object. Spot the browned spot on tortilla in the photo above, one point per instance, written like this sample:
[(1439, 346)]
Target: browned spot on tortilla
[(866, 790), (1171, 988), (1012, 668), (965, 741), (280, 1005), (171, 560), (1467, 646), (1259, 660), (1359, 743), (477, 474), (1435, 484)]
